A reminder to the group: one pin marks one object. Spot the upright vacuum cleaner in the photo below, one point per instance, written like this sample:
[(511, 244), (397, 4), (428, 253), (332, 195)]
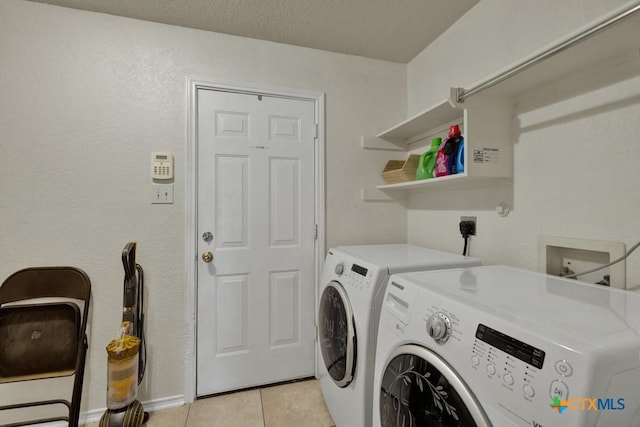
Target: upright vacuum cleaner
[(127, 353)]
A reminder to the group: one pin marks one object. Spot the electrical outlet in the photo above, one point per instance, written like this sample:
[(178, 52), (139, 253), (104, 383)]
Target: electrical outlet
[(563, 256), (470, 219)]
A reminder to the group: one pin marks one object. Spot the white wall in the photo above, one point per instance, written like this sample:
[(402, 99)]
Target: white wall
[(87, 97), (575, 142)]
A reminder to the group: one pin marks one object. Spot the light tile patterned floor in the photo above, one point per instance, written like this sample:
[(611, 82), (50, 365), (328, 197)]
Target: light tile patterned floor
[(296, 404)]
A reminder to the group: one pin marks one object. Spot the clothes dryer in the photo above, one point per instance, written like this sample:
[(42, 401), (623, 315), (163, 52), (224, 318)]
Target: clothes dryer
[(503, 346), (353, 280)]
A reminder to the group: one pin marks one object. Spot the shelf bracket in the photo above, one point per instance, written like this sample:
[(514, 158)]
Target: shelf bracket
[(457, 96), (372, 194), (373, 143)]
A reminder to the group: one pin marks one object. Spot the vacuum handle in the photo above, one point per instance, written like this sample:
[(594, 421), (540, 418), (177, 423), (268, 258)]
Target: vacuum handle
[(129, 260), (129, 300), (129, 264)]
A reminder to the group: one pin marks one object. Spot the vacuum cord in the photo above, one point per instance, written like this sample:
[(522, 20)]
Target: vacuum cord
[(142, 361)]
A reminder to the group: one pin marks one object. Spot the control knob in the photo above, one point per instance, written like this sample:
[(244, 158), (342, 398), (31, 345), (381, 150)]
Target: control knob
[(439, 327), (339, 269)]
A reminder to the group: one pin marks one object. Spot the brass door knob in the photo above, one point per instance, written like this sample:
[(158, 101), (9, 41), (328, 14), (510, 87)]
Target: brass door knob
[(207, 256)]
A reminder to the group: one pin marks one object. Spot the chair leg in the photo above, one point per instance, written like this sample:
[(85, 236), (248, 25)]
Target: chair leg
[(74, 410)]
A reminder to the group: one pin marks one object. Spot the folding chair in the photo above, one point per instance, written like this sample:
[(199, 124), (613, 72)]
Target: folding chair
[(43, 344)]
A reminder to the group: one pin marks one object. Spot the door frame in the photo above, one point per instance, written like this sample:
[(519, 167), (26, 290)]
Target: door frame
[(191, 199)]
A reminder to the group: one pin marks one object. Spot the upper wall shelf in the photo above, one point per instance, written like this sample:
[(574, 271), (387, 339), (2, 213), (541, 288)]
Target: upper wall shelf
[(427, 121)]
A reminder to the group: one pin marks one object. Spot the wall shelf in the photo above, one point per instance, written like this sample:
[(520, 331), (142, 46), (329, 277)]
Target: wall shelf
[(431, 120), (485, 124), (458, 181)]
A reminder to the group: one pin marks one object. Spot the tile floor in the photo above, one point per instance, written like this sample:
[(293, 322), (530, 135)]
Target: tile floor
[(286, 405)]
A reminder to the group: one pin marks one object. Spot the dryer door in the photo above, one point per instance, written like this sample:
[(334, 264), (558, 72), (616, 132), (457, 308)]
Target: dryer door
[(337, 334), (420, 389)]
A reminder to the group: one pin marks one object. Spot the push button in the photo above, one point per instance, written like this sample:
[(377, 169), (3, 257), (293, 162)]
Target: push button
[(528, 390), (508, 379), (491, 370), (564, 368), (560, 389)]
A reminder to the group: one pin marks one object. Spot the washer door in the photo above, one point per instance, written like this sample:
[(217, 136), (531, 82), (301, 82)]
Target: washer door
[(337, 334), (420, 389)]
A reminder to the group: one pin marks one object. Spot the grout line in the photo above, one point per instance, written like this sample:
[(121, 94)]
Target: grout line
[(264, 421), (186, 419)]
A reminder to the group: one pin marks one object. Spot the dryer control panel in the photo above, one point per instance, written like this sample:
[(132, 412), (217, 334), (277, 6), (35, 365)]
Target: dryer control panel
[(357, 276)]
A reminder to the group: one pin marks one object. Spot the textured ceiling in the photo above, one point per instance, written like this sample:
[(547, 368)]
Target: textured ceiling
[(392, 30)]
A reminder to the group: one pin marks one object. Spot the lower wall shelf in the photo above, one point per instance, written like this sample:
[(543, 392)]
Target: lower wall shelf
[(426, 183), (451, 182)]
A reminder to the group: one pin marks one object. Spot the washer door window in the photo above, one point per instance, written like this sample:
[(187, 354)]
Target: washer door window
[(420, 389), (337, 334)]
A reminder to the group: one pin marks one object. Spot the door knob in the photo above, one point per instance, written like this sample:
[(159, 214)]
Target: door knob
[(207, 256)]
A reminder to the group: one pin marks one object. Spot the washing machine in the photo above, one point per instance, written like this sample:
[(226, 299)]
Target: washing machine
[(500, 346), (353, 280)]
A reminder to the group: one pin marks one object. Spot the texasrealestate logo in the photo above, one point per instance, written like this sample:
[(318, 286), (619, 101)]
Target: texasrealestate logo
[(587, 404)]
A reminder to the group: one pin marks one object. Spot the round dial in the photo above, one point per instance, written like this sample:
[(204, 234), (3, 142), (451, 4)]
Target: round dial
[(439, 327), (339, 269)]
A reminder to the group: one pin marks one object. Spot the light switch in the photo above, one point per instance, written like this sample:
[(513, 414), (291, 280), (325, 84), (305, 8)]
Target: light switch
[(162, 193)]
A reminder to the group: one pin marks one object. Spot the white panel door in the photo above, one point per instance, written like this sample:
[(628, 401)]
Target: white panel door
[(256, 196)]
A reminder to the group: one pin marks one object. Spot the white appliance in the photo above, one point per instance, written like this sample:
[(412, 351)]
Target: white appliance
[(347, 319), (502, 346)]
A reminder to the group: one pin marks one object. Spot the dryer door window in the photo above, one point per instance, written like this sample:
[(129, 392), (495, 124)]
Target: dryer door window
[(420, 389), (337, 334)]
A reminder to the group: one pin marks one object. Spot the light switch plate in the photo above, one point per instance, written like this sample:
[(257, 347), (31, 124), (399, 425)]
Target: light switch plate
[(162, 194)]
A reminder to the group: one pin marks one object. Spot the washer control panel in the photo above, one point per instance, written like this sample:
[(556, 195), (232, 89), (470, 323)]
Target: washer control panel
[(517, 366)]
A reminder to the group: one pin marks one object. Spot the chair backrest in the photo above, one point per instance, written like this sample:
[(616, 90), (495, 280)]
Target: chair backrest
[(41, 282)]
